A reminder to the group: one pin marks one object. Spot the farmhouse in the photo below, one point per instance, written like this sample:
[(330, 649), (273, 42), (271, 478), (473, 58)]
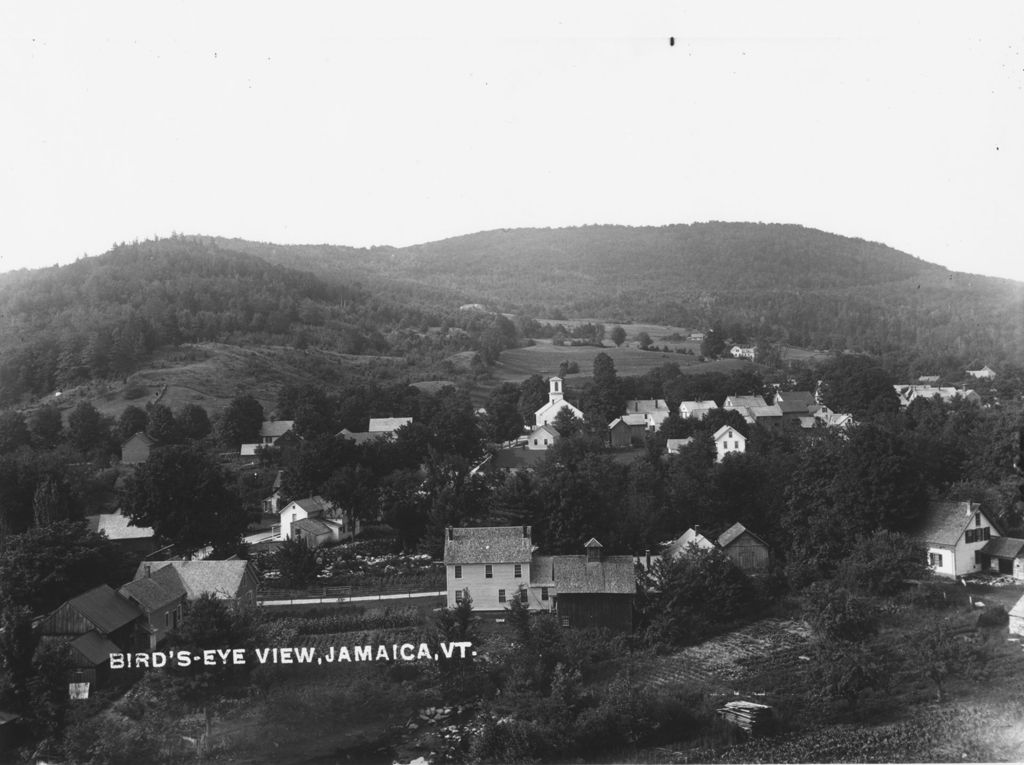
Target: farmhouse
[(547, 414), (272, 430), (795, 404), (954, 534), (491, 563), (728, 440), (135, 450), (315, 521), (233, 581), (161, 600)]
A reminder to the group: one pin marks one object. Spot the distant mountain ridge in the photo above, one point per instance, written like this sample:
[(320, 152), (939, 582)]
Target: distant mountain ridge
[(779, 281)]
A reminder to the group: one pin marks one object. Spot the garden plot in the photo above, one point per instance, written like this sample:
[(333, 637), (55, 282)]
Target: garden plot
[(721, 662)]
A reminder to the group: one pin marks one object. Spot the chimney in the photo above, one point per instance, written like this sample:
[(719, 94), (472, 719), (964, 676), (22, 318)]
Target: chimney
[(647, 554), (147, 570), (526, 532), (451, 533)]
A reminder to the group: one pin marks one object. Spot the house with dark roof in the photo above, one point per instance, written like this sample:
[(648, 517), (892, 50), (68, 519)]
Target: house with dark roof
[(234, 581), (161, 598), (625, 430), (492, 563), (498, 564), (594, 589), (954, 535), (748, 551), (136, 448), (93, 625)]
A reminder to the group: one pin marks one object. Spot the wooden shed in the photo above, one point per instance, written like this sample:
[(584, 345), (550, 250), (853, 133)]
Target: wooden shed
[(747, 550)]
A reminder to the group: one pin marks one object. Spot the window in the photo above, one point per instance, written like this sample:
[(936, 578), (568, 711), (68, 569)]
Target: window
[(519, 571), (977, 535), (458, 596), (167, 619), (458, 572), (543, 593), (977, 519), (935, 559), (488, 571), (501, 596), (565, 621), (524, 596)]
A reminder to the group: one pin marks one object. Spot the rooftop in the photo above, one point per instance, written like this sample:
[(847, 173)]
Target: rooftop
[(488, 544)]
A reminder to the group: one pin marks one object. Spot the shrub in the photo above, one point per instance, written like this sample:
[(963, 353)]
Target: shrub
[(993, 616), (835, 614), (881, 564)]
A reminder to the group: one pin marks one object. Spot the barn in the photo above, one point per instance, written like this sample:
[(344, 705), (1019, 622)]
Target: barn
[(595, 590), (748, 551)]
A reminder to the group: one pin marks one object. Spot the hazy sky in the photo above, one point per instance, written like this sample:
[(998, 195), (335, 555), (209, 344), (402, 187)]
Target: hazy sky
[(399, 123)]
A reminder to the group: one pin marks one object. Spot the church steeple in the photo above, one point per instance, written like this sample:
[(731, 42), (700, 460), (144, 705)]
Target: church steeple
[(554, 389)]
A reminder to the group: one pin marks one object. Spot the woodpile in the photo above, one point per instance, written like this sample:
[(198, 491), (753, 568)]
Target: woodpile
[(753, 718)]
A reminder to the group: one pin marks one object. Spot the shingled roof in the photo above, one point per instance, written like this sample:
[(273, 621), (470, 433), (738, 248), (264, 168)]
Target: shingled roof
[(105, 608), (153, 594), (944, 522), (222, 578), (94, 647), (313, 526), (488, 544), (734, 532), (612, 575), (1003, 547)]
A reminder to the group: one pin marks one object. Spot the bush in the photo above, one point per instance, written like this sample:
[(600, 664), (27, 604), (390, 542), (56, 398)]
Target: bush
[(835, 614), (993, 616), (881, 564)]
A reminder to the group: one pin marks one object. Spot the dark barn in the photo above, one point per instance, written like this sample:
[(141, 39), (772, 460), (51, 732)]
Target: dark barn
[(595, 590)]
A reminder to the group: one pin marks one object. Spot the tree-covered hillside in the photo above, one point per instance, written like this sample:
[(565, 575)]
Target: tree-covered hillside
[(782, 282)]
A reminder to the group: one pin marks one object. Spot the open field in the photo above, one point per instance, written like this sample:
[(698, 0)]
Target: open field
[(543, 358)]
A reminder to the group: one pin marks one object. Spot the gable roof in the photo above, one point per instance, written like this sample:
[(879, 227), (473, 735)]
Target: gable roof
[(549, 429), (944, 522), (803, 399), (766, 411), (721, 432), (105, 609), (313, 506), (222, 578), (138, 435), (359, 438), (691, 406), (387, 424), (680, 544), (153, 594), (488, 544), (734, 532), (612, 575), (275, 428), (558, 403), (672, 445)]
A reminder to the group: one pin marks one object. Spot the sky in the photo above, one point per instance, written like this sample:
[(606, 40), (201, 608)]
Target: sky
[(406, 122)]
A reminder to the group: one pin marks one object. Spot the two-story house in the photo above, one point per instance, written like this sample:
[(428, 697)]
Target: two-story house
[(161, 599), (728, 440), (491, 563)]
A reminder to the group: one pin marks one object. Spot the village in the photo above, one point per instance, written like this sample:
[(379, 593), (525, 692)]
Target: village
[(331, 569)]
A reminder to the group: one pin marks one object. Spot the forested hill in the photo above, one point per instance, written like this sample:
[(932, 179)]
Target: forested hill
[(782, 282), (99, 317)]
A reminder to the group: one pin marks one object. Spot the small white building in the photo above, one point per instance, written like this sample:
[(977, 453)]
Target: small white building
[(681, 545), (272, 430), (985, 373), (543, 437), (743, 352), (547, 414), (315, 521), (728, 440)]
